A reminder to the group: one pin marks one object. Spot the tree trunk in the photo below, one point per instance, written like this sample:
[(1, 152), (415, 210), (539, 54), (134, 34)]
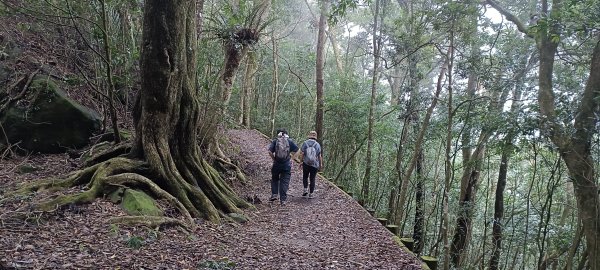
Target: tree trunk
[(576, 150), (575, 145), (502, 174), (462, 232), (472, 160), (247, 89), (319, 70), (499, 211), (418, 231), (411, 119), (395, 82), (371, 120), (274, 87), (109, 76), (421, 135), (448, 174), (234, 53), (399, 170), (167, 115)]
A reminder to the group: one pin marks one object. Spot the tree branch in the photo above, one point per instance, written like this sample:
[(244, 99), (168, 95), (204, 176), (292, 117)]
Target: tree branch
[(588, 110), (509, 16)]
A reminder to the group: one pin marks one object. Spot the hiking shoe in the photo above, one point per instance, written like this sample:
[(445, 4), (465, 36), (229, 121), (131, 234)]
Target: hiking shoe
[(311, 195), (305, 192), (283, 203), (273, 197)]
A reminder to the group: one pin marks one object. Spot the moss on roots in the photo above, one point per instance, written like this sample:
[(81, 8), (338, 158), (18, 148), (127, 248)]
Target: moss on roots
[(207, 196)]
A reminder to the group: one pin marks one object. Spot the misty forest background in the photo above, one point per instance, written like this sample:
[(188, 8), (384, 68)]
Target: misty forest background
[(465, 123)]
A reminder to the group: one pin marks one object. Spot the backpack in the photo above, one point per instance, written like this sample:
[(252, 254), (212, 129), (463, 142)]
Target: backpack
[(282, 148), (310, 157)]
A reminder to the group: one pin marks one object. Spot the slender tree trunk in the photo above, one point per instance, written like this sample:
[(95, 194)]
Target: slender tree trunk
[(399, 171), (574, 246), (499, 211), (411, 117), (395, 82), (502, 175), (418, 228), (320, 65), (275, 86), (371, 121), (472, 162), (109, 76), (448, 174), (421, 135)]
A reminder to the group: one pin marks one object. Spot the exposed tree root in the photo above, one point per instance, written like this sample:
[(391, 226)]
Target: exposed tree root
[(75, 178), (209, 198), (115, 151), (225, 165)]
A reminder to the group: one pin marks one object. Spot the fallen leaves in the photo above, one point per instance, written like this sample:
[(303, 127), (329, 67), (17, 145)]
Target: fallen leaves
[(329, 232)]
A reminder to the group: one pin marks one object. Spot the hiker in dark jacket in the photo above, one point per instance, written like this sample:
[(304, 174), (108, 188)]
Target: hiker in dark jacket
[(312, 162), (280, 150)]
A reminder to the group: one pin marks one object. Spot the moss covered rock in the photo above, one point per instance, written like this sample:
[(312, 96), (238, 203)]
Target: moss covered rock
[(47, 121), (138, 203), (26, 168)]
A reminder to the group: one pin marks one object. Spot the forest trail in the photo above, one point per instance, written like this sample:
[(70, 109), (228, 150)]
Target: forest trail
[(331, 231)]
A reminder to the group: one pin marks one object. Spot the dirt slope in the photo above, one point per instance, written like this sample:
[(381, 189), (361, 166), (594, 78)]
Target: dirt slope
[(329, 232)]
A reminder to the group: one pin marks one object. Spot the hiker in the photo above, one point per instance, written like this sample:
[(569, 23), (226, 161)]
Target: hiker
[(280, 150), (312, 162)]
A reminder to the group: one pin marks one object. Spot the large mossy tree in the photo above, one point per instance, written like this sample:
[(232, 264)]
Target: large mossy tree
[(164, 158), (168, 116)]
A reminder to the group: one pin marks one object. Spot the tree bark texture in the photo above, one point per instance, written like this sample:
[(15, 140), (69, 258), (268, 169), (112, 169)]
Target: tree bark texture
[(462, 232), (499, 212), (418, 233), (167, 116), (248, 89)]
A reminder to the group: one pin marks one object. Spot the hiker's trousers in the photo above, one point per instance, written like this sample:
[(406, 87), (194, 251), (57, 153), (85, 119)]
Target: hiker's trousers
[(309, 172), (280, 181)]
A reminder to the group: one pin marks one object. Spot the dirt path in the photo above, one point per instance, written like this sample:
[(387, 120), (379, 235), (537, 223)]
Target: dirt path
[(330, 231)]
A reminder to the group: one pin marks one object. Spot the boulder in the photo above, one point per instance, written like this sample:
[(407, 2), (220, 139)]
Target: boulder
[(45, 120)]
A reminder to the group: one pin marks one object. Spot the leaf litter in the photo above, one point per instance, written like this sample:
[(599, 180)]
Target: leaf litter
[(331, 231)]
